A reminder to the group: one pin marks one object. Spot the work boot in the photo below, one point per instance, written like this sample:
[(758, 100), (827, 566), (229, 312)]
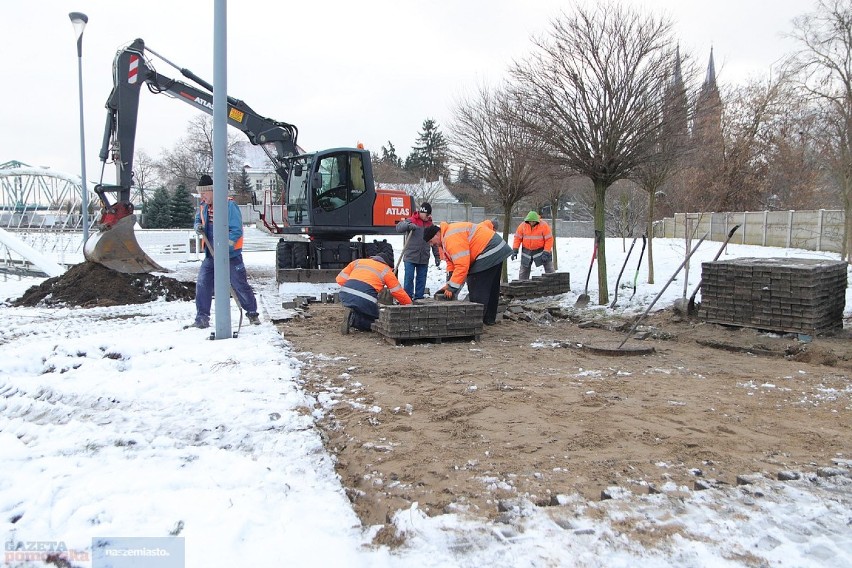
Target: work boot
[(201, 322), (347, 321), (253, 318)]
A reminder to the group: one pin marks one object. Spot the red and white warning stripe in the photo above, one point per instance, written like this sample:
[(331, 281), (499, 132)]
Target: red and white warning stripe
[(133, 70)]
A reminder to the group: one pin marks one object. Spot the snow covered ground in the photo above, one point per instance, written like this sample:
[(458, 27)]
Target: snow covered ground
[(116, 422)]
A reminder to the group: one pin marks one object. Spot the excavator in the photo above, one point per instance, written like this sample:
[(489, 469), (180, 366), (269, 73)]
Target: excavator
[(328, 197)]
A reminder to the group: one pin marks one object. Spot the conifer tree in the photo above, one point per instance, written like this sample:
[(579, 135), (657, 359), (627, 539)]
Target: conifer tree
[(242, 187), (157, 215), (389, 155), (428, 157), (181, 208)]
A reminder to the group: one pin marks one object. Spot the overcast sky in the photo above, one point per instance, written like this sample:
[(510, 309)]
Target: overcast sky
[(341, 71)]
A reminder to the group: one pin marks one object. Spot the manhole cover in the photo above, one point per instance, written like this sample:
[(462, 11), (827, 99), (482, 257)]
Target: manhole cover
[(612, 348)]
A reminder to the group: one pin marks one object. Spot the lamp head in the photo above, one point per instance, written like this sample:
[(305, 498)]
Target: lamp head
[(79, 19)]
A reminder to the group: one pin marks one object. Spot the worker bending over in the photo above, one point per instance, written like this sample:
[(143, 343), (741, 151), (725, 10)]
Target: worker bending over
[(475, 253)]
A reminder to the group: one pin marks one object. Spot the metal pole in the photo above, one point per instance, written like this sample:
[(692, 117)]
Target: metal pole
[(80, 20), (221, 262)]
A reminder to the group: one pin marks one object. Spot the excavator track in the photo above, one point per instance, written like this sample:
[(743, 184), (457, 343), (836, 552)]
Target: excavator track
[(117, 249)]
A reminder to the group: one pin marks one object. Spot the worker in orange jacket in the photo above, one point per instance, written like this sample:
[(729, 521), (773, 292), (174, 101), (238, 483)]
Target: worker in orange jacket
[(535, 241), (474, 253), (361, 282)]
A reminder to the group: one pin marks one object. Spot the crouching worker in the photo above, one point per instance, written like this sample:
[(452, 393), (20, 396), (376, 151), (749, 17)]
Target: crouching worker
[(361, 282)]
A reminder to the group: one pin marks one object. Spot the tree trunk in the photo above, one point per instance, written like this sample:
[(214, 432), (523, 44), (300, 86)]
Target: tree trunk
[(652, 200), (507, 218), (847, 213), (600, 225), (554, 204)]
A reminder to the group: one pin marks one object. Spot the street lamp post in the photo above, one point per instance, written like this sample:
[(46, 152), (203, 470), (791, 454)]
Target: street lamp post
[(80, 20)]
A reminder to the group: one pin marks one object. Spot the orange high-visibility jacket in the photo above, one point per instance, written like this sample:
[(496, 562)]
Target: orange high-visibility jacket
[(375, 274), (533, 238), (463, 243)]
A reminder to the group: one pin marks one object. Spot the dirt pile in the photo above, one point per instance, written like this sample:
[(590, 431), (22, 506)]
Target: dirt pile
[(90, 285)]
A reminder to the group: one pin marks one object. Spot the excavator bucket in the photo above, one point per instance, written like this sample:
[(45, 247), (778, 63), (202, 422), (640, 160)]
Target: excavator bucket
[(117, 249)]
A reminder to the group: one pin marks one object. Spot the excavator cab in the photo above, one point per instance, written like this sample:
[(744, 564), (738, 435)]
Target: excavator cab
[(332, 193)]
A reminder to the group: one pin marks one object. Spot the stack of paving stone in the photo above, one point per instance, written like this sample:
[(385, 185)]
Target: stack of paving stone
[(796, 295), (537, 287), (430, 320)]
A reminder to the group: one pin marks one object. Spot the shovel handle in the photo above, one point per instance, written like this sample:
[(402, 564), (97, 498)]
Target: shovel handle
[(645, 313), (715, 258)]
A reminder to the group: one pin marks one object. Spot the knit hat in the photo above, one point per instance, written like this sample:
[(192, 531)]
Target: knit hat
[(425, 207), (383, 256), (430, 232), (205, 183), (532, 216)]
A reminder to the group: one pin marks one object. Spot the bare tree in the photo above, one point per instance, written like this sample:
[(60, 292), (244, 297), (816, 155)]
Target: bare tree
[(749, 122), (795, 176), (668, 148), (144, 174), (824, 62), (590, 90), (192, 155), (487, 135), (386, 171), (553, 190)]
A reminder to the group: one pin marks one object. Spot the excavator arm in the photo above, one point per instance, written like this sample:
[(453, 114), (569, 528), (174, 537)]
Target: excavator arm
[(327, 197), (115, 245)]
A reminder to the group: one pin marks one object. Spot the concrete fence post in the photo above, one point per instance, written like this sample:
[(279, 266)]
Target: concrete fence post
[(789, 228), (819, 229), (765, 226)]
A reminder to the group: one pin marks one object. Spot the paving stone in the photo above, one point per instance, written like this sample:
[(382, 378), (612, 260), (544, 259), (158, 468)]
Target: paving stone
[(430, 319), (794, 295), (789, 475), (538, 286)]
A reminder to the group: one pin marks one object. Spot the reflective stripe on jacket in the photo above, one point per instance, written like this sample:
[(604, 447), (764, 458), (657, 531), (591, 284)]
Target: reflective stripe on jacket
[(471, 248), (375, 274), (533, 238)]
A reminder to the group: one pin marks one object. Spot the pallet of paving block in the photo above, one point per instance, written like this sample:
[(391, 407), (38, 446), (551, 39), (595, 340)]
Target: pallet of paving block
[(412, 339)]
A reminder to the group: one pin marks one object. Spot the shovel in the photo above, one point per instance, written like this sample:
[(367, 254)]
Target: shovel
[(583, 299), (638, 264), (651, 305), (690, 307), (623, 266), (401, 254), (209, 245)]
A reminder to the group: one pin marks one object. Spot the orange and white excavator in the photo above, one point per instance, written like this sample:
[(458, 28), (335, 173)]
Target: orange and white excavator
[(328, 196)]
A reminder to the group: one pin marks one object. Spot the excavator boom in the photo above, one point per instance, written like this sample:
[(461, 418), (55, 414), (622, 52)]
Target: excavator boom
[(324, 200), (115, 244)]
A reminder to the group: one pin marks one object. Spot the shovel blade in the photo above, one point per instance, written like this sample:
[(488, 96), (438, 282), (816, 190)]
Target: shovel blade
[(690, 306), (582, 300), (117, 249)]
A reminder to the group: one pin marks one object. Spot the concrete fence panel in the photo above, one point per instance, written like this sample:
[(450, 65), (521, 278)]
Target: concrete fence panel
[(820, 230)]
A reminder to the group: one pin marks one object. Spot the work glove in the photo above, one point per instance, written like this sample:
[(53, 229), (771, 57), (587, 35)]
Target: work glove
[(437, 263), (515, 254), (546, 256), (199, 229), (448, 294)]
